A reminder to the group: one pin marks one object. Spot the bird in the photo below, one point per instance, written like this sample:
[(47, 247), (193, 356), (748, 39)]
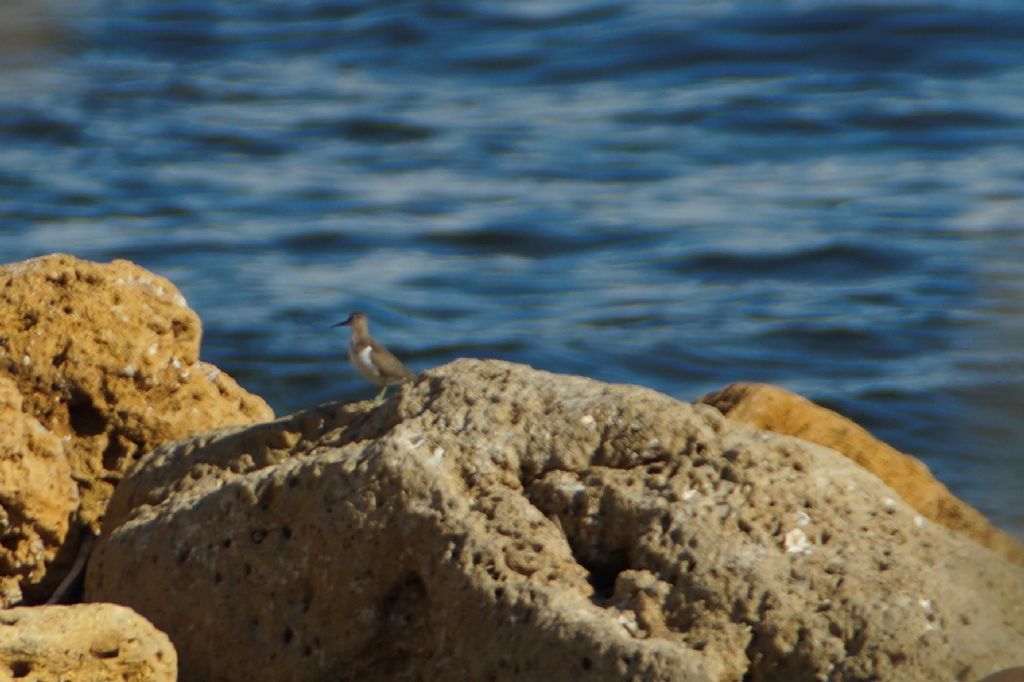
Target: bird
[(374, 362)]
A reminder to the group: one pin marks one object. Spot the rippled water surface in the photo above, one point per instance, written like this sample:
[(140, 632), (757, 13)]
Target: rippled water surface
[(823, 195)]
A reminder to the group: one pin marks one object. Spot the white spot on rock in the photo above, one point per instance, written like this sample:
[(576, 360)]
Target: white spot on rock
[(153, 348), (588, 421), (128, 371), (889, 503), (436, 456), (920, 521), (796, 542), (26, 361), (628, 622), (689, 495), (802, 518)]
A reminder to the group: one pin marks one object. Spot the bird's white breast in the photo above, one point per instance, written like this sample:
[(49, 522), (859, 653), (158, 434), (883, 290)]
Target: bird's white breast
[(362, 360)]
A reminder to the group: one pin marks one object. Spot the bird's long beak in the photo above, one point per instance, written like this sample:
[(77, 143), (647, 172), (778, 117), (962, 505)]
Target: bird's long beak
[(347, 322)]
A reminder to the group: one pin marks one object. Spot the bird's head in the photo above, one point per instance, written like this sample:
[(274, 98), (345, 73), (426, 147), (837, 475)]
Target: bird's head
[(355, 319)]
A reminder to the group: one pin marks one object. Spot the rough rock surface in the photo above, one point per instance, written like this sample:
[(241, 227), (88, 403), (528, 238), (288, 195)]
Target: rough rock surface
[(775, 409), (496, 522), (104, 357), (83, 643), (37, 499)]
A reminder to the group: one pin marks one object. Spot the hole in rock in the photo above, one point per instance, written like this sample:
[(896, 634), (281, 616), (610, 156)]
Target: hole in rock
[(61, 357), (179, 328), (113, 454), (20, 669), (85, 418), (729, 474), (585, 663), (287, 635), (407, 603), (603, 571)]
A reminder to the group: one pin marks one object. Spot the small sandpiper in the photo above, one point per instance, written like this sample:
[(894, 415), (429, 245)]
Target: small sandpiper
[(374, 362)]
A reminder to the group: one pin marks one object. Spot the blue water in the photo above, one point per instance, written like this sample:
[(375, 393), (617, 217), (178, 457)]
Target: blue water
[(824, 195)]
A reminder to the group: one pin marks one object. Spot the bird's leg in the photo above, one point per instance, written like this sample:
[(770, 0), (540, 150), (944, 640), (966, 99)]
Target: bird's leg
[(380, 396)]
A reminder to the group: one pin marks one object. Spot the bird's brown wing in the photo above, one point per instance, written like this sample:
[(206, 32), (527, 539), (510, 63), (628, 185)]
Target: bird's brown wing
[(391, 368)]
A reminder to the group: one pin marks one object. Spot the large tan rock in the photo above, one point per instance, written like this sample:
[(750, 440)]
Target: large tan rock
[(104, 358), (83, 643), (775, 409), (496, 522), (37, 500)]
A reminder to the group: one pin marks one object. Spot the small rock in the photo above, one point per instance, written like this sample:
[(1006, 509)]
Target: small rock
[(85, 643)]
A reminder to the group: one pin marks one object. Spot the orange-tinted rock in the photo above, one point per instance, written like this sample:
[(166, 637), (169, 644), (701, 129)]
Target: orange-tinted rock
[(775, 409), (100, 364), (37, 500), (108, 355), (83, 643)]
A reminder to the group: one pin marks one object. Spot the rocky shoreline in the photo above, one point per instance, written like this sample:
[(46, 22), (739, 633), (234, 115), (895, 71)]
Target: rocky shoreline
[(489, 521)]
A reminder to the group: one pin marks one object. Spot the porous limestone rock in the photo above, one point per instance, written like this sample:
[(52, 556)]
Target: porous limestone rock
[(775, 409), (496, 522), (105, 357), (37, 500), (83, 643)]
